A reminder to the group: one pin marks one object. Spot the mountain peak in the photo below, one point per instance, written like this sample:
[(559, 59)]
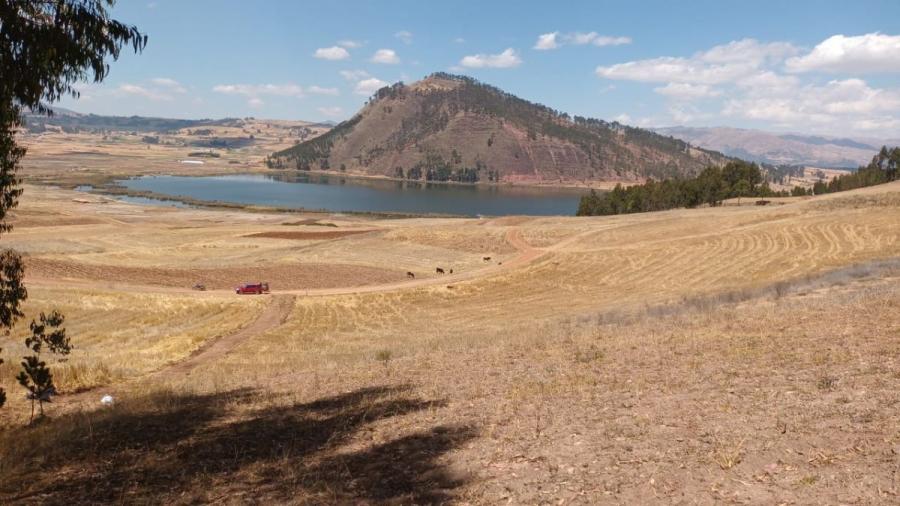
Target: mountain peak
[(451, 127)]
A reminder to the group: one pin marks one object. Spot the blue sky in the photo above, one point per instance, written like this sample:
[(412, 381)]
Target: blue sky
[(807, 66)]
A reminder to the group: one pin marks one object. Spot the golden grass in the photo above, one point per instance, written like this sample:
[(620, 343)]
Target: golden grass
[(713, 401), (689, 336), (118, 335)]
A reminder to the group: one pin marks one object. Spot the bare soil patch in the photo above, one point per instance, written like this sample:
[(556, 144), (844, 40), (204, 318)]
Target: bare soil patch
[(309, 236), (30, 220), (280, 277)]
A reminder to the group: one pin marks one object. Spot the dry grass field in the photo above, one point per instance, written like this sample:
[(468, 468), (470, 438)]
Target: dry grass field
[(740, 354), (57, 157)]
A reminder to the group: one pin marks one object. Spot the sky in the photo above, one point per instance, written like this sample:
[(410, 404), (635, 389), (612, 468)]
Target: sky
[(819, 67)]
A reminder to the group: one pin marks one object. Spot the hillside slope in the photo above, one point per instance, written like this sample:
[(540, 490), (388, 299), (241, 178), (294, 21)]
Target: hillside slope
[(449, 127), (773, 148)]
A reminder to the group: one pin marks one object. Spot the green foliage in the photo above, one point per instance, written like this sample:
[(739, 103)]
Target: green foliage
[(12, 290), (735, 179), (313, 150), (55, 340), (435, 168), (35, 375), (882, 169), (710, 187), (45, 49), (799, 191)]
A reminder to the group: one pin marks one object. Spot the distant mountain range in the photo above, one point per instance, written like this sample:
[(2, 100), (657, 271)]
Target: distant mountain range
[(71, 121), (455, 128), (776, 148)]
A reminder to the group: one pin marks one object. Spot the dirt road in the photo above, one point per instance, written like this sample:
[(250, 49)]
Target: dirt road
[(275, 313)]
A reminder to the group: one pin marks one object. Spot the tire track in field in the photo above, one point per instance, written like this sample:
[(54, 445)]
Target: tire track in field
[(275, 314)]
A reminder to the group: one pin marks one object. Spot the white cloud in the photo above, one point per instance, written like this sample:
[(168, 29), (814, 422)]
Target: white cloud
[(405, 36), (369, 86), (255, 102), (684, 113), (330, 111), (388, 56), (743, 81), (319, 90), (623, 118), (554, 40), (749, 51), (171, 84), (354, 75), (604, 40), (547, 41), (768, 82), (255, 90), (580, 39), (836, 106), (668, 69), (869, 53), (721, 64), (140, 91), (331, 53), (459, 40), (506, 59), (687, 91), (349, 44)]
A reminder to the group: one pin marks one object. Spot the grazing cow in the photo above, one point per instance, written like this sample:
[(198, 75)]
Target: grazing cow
[(410, 275), (486, 259), (439, 270)]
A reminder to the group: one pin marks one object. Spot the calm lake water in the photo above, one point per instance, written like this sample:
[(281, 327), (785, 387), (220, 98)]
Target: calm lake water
[(334, 193)]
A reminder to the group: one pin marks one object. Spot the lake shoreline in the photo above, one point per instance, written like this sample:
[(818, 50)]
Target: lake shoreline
[(331, 193)]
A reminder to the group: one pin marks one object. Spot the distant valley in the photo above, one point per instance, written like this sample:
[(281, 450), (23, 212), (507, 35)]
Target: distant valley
[(780, 149)]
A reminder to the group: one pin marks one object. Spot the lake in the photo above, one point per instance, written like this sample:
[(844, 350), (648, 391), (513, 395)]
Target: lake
[(335, 193)]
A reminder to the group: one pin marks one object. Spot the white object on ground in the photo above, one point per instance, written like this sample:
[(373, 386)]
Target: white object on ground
[(107, 400)]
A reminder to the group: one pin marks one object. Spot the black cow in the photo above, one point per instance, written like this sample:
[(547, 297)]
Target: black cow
[(439, 270)]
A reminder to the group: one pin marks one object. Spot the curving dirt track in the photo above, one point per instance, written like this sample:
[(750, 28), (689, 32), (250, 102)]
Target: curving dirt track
[(274, 315), (279, 308)]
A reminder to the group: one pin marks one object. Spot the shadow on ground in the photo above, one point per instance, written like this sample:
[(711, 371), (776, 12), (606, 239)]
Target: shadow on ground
[(204, 448)]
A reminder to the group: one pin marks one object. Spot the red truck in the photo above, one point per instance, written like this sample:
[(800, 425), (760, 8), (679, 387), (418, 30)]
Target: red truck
[(252, 288)]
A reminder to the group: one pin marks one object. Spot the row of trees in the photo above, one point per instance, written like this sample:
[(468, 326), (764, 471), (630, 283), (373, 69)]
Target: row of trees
[(735, 179), (882, 169), (435, 168), (710, 187)]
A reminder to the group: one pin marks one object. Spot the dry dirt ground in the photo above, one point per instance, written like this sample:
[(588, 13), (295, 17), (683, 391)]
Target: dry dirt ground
[(733, 355), (63, 158)]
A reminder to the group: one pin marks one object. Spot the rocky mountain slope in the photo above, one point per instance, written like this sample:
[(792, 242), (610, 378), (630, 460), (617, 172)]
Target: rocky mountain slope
[(774, 148), (454, 128)]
